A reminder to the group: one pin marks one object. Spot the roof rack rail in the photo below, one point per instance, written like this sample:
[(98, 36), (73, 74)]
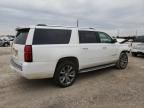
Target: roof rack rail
[(49, 25), (62, 26), (91, 28), (55, 26), (41, 25), (88, 28)]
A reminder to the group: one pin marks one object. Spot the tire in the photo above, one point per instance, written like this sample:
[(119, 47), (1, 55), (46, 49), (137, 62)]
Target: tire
[(134, 54), (123, 61), (65, 74), (6, 44)]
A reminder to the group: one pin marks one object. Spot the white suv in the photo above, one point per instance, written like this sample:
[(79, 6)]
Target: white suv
[(62, 52)]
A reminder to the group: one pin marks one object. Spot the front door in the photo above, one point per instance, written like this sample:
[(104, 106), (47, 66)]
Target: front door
[(109, 49)]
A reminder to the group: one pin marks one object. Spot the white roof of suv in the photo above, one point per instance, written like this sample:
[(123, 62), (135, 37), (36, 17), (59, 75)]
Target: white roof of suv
[(55, 27)]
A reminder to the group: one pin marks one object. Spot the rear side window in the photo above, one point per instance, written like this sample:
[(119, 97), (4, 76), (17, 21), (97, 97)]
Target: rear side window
[(21, 36), (51, 36), (88, 37)]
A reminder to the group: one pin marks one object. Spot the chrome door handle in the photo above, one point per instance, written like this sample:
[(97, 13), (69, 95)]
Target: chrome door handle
[(85, 48), (104, 47)]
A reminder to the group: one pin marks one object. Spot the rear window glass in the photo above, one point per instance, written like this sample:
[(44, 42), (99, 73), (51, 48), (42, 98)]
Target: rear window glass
[(51, 36), (88, 37), (21, 36), (139, 39)]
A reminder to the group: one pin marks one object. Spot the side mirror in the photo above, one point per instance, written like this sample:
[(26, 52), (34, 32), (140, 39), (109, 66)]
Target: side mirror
[(114, 40)]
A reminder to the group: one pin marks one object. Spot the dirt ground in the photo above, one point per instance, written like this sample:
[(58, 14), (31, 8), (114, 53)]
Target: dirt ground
[(107, 88)]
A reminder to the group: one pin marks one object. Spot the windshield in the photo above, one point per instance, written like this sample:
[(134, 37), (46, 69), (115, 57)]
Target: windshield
[(139, 39), (21, 36)]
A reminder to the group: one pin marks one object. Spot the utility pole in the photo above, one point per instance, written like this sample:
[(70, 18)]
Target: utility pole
[(118, 33)]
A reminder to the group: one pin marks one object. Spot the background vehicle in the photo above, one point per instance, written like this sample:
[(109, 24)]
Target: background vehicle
[(7, 40), (63, 52), (4, 43), (11, 39), (138, 46)]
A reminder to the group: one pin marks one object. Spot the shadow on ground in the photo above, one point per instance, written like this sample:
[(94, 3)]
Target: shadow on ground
[(49, 83)]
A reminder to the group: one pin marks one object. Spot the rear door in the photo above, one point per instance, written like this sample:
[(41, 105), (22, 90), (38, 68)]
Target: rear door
[(90, 50), (19, 44), (53, 43)]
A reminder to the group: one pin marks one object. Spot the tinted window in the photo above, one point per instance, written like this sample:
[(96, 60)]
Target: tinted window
[(21, 36), (139, 39), (88, 37), (104, 38), (51, 36)]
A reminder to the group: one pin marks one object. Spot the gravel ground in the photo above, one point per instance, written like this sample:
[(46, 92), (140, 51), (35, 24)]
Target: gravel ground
[(107, 88)]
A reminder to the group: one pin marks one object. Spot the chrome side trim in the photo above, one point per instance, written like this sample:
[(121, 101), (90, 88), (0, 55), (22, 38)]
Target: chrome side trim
[(96, 68)]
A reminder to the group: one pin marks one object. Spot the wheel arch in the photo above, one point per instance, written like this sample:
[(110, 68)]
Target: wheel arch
[(69, 58), (124, 51)]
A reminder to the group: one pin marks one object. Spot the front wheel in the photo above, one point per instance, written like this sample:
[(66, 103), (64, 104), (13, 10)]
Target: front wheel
[(65, 73), (123, 61)]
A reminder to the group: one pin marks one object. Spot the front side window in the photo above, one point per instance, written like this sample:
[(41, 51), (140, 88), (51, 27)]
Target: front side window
[(104, 38), (88, 37), (51, 36)]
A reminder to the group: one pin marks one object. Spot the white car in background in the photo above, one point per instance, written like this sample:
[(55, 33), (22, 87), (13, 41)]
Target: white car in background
[(138, 46), (4, 43)]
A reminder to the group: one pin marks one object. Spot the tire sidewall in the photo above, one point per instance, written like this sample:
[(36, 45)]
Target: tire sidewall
[(118, 64), (58, 69), (122, 54)]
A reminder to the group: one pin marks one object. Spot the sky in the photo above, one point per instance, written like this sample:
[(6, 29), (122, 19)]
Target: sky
[(123, 17)]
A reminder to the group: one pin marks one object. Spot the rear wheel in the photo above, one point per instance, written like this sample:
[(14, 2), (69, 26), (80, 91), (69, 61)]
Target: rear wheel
[(65, 73), (134, 54), (123, 61)]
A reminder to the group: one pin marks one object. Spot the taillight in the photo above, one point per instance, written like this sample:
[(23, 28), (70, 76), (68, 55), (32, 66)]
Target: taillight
[(28, 53)]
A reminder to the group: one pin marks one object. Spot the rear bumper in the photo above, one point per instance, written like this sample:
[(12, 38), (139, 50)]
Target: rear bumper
[(33, 70), (15, 65)]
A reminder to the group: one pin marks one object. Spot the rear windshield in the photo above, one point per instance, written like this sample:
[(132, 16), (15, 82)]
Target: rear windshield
[(139, 39), (21, 36), (51, 36)]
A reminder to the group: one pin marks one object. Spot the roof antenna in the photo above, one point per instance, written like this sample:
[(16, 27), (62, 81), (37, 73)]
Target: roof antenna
[(77, 23), (136, 32)]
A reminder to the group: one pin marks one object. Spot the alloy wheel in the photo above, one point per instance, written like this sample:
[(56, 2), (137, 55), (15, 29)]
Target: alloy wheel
[(67, 75)]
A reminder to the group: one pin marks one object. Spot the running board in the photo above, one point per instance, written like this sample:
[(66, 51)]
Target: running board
[(96, 68)]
